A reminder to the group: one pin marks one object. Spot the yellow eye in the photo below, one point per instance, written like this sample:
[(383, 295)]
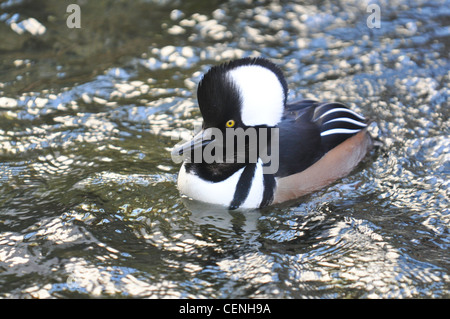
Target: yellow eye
[(230, 123)]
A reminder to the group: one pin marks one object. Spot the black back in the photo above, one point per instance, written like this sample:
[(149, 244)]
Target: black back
[(300, 141)]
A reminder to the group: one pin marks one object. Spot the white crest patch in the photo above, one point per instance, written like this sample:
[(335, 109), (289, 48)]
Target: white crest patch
[(262, 95)]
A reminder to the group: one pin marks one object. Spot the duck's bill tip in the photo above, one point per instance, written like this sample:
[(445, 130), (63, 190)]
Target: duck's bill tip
[(200, 140)]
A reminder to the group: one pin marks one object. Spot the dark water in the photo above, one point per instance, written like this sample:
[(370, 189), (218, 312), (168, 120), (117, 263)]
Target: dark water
[(88, 198)]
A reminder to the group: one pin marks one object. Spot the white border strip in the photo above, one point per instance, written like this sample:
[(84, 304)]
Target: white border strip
[(342, 109), (346, 119), (339, 131)]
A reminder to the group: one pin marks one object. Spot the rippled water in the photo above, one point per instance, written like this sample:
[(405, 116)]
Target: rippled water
[(88, 198)]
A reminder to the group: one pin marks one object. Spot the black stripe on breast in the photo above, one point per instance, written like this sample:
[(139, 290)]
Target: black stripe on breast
[(243, 186), (269, 189)]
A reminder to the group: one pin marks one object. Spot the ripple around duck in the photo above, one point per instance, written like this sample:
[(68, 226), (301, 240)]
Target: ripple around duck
[(88, 198)]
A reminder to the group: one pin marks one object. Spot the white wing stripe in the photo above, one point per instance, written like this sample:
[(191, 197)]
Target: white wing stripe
[(341, 109), (345, 119), (339, 131)]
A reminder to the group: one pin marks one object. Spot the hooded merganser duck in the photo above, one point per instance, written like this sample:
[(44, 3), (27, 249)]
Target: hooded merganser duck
[(315, 143)]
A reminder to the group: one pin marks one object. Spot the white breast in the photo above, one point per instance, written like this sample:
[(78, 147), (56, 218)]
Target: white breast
[(221, 193)]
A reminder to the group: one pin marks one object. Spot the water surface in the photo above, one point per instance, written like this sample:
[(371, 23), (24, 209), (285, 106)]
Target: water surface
[(88, 198)]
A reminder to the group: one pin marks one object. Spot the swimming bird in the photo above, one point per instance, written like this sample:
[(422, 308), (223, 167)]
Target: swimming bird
[(298, 147)]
